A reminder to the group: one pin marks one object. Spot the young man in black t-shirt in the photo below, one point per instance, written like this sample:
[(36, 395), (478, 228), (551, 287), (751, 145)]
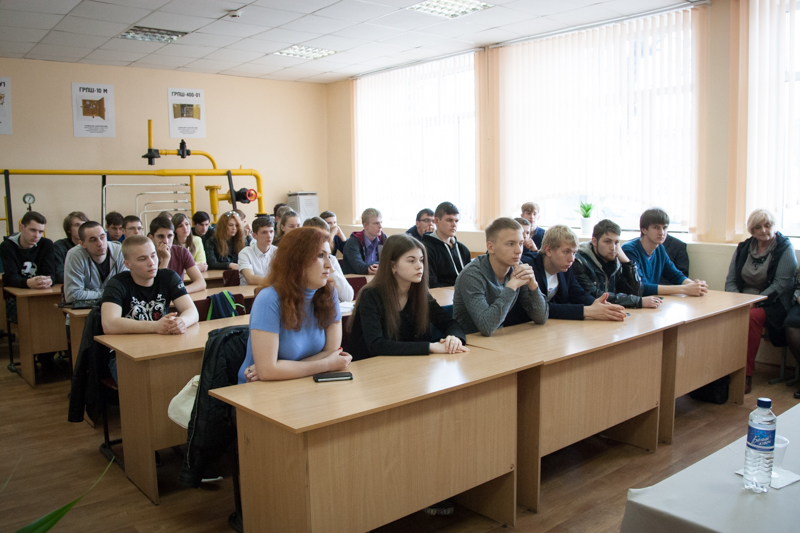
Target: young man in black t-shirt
[(28, 257), (138, 301)]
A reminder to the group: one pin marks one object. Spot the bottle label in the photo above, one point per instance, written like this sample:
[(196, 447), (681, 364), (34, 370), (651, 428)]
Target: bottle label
[(762, 440)]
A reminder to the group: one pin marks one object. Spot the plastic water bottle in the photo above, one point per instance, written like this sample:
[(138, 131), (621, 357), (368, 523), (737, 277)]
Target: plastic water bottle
[(760, 447)]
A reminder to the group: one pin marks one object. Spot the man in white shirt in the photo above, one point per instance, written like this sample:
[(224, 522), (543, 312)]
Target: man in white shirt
[(254, 260)]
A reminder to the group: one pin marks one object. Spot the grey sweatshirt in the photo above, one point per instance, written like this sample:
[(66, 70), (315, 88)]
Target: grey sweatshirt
[(480, 303), (81, 277)]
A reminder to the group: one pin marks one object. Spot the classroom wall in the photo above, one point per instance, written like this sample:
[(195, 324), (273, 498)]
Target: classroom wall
[(275, 127)]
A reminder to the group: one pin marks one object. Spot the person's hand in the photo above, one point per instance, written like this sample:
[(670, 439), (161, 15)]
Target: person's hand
[(250, 373), (602, 310), (165, 324), (340, 233), (202, 267), (233, 266), (695, 288), (373, 269), (651, 301), (338, 360), (163, 252), (449, 344), (247, 229), (621, 255), (39, 282), (522, 275), (530, 245)]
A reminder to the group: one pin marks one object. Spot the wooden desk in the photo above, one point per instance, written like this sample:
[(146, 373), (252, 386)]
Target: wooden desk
[(368, 276), (407, 432), (40, 325), (443, 295), (151, 370), (213, 278)]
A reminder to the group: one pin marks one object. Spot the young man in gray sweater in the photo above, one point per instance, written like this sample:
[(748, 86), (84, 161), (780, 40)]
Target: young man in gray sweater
[(89, 266), (494, 289)]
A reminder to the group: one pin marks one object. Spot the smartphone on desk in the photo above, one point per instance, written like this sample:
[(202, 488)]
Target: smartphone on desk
[(333, 376)]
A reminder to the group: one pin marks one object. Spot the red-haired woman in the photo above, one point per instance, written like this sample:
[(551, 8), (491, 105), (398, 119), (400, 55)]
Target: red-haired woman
[(222, 250), (295, 323)]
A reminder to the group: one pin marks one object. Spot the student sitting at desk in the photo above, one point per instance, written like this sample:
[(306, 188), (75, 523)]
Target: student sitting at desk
[(201, 226), (423, 225), (287, 222), (173, 256), (362, 250), (337, 235), (763, 264), (565, 296), (343, 287), (529, 248), (72, 222), (530, 212), (394, 313), (446, 256), (222, 250), (132, 225), (28, 257), (138, 301), (254, 260), (91, 265), (114, 231), (648, 252), (602, 267), (295, 323), (193, 243), (495, 290)]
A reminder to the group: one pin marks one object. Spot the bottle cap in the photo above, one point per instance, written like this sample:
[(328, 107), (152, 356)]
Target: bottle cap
[(766, 403)]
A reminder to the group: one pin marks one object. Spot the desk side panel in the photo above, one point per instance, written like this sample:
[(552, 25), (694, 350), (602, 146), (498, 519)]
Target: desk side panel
[(168, 376), (585, 395), (372, 470)]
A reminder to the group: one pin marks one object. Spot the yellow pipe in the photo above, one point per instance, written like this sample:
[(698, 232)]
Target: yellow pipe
[(194, 152), (191, 193), (212, 193), (149, 134)]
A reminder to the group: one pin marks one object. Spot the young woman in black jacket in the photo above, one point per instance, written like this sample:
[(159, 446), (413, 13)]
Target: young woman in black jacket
[(395, 314)]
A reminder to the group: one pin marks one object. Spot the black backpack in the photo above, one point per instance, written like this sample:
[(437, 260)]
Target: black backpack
[(221, 305)]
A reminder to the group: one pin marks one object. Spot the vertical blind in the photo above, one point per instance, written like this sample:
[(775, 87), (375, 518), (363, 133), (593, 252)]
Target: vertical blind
[(415, 140), (606, 115), (773, 121)]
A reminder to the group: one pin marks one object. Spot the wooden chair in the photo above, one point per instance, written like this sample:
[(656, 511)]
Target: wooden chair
[(357, 284), (204, 304), (230, 278)]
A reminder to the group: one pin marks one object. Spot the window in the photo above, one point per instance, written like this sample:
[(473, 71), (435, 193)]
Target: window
[(605, 115), (415, 140), (773, 122)]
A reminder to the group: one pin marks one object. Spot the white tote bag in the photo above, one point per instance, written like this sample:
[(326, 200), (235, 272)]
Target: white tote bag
[(180, 408)]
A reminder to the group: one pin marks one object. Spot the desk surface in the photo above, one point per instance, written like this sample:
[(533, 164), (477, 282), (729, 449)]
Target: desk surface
[(27, 293), (378, 384), (557, 339), (208, 274)]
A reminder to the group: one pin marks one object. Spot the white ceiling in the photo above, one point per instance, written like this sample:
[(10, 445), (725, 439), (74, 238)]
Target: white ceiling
[(367, 35)]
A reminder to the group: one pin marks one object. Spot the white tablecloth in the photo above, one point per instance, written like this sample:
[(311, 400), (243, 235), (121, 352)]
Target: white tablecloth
[(708, 496)]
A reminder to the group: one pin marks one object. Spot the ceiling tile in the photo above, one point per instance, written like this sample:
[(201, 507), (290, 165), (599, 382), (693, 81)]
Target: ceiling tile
[(585, 15), (415, 54), (373, 50), (453, 28), (397, 3), (60, 51), (298, 72), (28, 19), (14, 55), (108, 12), (548, 7), (298, 6), (634, 7), (45, 57), (407, 20), (153, 66), (257, 45), (144, 4), (213, 9), (496, 16), (283, 35), (173, 21), (350, 71), (74, 39), (252, 69), (12, 47), (333, 42), (23, 35), (197, 69), (240, 74), (448, 47), (223, 27), (535, 26), (113, 55), (264, 16), (131, 45), (210, 64), (91, 27), (279, 61), (169, 61), (370, 32), (208, 39), (185, 50), (316, 24), (414, 39), (105, 63), (327, 77), (239, 56), (355, 10), (57, 7), (488, 37), (330, 63)]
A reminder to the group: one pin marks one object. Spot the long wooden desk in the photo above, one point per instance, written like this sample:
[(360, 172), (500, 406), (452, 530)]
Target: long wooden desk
[(40, 325), (213, 278), (407, 432)]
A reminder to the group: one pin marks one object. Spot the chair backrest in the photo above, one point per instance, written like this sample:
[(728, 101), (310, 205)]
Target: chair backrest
[(230, 278), (357, 284), (202, 308), (240, 306)]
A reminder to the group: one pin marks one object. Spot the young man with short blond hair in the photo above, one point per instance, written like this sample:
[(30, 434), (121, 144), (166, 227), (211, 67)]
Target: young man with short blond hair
[(362, 250)]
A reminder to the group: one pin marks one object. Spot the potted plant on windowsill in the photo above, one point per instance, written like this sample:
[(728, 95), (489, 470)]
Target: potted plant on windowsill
[(585, 212)]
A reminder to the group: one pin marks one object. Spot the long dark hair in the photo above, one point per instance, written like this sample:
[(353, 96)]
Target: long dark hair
[(177, 220), (299, 249), (385, 283)]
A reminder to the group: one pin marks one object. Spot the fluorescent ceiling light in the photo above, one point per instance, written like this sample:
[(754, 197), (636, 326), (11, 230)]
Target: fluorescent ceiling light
[(138, 33), (306, 52), (450, 8)]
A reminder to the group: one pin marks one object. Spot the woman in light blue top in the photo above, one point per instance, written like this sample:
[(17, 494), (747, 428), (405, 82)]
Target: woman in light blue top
[(295, 323)]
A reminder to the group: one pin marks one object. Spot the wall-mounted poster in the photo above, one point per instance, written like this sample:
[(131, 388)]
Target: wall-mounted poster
[(5, 106), (187, 114), (93, 110)]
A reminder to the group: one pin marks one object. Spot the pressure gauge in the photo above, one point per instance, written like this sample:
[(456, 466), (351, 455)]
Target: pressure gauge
[(28, 198)]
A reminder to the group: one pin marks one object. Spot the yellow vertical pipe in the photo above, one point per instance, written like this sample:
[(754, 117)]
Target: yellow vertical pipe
[(191, 193), (214, 204)]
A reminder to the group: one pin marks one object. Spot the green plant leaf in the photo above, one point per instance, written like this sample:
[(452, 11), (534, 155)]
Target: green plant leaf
[(46, 522), (11, 474)]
